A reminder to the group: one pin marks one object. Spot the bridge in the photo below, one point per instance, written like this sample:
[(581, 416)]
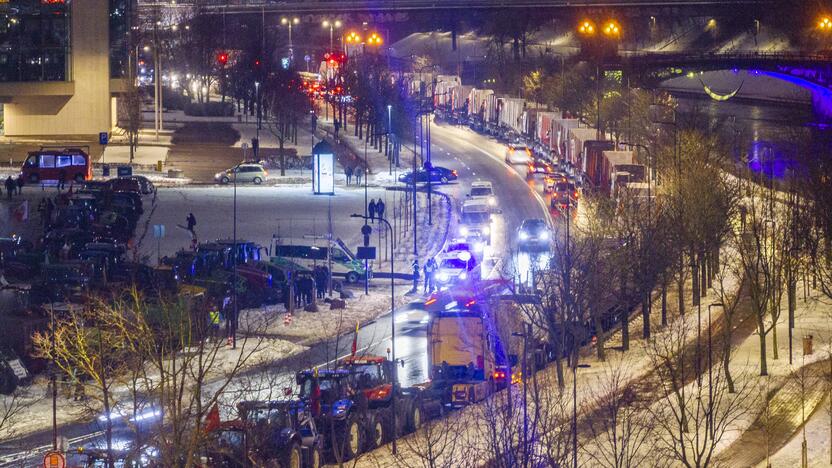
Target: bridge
[(383, 6)]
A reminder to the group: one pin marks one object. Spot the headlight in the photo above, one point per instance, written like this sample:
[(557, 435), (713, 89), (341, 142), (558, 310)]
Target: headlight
[(463, 275), (486, 230), (492, 201), (463, 231), (544, 235), (442, 277), (478, 247), (523, 235)]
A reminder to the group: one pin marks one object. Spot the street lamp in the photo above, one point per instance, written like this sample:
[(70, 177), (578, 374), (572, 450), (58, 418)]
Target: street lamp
[(389, 132), (257, 98), (586, 28), (825, 24), (374, 40), (289, 22), (612, 29), (332, 25)]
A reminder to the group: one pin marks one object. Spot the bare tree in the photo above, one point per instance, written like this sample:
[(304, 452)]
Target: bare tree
[(691, 419), (287, 105), (623, 436), (12, 409)]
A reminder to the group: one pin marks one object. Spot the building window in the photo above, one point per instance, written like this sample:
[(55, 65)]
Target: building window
[(119, 30), (34, 40)]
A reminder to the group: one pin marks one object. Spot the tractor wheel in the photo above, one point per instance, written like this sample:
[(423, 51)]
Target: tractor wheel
[(316, 458), (294, 457), (414, 416), (351, 439)]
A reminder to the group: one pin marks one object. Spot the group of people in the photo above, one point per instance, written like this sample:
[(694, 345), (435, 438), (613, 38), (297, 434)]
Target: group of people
[(14, 186), (429, 273), (357, 171), (307, 285), (375, 209)]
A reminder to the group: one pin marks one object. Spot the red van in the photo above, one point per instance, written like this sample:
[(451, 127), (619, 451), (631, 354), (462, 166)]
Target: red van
[(42, 165)]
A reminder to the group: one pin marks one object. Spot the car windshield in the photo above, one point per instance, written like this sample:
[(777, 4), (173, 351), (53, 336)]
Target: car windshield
[(328, 385), (476, 217), (563, 187), (533, 225), (453, 263), (480, 192), (458, 246), (520, 148), (366, 376)]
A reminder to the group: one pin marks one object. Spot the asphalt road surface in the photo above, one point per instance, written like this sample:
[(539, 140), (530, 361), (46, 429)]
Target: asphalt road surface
[(268, 211)]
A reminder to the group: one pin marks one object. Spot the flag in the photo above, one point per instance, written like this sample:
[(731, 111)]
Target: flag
[(355, 340), (21, 213), (315, 398), (212, 419)]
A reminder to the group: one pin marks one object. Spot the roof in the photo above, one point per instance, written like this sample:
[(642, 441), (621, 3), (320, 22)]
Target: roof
[(481, 183), (619, 157), (364, 360)]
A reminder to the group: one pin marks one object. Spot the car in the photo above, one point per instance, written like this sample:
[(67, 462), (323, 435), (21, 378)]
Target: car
[(482, 190), (534, 233), (475, 220), (564, 195), (246, 172), (552, 179), (539, 166), (437, 174), (518, 154), (471, 243), (455, 267), (125, 184)]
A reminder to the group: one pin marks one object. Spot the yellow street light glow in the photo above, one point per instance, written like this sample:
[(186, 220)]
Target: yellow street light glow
[(374, 39), (331, 24), (825, 23), (611, 28), (353, 38), (287, 21), (587, 28)]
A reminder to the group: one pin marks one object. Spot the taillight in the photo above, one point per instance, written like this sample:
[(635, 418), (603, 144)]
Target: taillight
[(430, 301), (454, 172), (499, 375)]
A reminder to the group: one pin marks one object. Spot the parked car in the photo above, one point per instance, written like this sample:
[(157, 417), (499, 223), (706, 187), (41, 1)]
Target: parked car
[(246, 172), (534, 233)]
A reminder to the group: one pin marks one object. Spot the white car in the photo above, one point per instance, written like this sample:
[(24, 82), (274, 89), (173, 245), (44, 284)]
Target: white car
[(518, 154), (455, 267), (245, 172), (483, 190)]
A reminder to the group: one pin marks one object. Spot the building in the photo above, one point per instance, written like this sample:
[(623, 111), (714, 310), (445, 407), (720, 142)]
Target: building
[(61, 66)]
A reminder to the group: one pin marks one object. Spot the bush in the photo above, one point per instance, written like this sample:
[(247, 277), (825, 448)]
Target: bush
[(209, 109)]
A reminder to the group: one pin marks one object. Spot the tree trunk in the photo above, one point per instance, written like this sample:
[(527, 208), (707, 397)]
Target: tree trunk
[(599, 337), (761, 330), (726, 355), (704, 275), (282, 157), (694, 283), (108, 428), (681, 286), (774, 352), (625, 329), (645, 317), (664, 303)]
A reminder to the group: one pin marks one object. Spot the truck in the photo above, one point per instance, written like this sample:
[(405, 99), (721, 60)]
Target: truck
[(468, 354)]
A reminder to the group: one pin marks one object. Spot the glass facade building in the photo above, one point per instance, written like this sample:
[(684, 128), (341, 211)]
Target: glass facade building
[(34, 40)]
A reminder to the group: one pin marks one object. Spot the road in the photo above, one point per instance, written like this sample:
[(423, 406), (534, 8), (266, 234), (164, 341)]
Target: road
[(289, 212)]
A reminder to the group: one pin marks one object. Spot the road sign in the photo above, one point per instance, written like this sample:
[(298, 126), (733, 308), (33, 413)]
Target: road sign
[(54, 460), (159, 231), (103, 138), (366, 253)]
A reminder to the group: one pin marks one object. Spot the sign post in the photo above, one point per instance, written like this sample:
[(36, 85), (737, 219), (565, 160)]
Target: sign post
[(158, 233), (323, 169), (54, 459)]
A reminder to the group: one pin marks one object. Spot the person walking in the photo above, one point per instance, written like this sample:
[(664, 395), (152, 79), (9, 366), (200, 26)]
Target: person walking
[(61, 179), (10, 186), (415, 266), (214, 322), (348, 172), (371, 210), (191, 221), (359, 173), (428, 276), (431, 279), (20, 184), (380, 208)]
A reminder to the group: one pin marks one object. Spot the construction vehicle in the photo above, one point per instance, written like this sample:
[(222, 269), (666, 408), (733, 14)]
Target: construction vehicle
[(280, 433)]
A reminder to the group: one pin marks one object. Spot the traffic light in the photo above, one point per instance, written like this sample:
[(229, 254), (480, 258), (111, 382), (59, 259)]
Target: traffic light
[(222, 58)]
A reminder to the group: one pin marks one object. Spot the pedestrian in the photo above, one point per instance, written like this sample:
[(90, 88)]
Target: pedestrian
[(415, 266), (348, 172), (359, 173), (371, 210), (308, 284), (61, 179), (191, 221), (214, 322), (10, 186), (380, 208), (20, 184), (337, 128), (430, 281), (320, 281)]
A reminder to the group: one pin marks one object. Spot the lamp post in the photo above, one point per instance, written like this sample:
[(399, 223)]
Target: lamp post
[(389, 132), (332, 25), (290, 22), (257, 98), (392, 325)]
